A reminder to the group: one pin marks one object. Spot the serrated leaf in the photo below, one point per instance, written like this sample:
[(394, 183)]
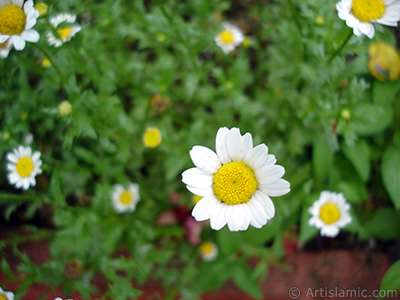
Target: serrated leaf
[(390, 174), (244, 279)]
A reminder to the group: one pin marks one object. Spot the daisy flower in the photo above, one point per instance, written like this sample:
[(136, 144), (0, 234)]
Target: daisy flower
[(152, 137), (235, 182), (64, 33), (23, 167), (5, 49), (329, 213), (124, 199), (229, 38), (58, 298), (208, 251), (360, 14), (6, 295), (16, 22)]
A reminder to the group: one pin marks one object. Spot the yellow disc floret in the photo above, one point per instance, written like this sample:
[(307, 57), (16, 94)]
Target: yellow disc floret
[(126, 197), (234, 183), (25, 166), (2, 297), (226, 37), (152, 137), (329, 213), (12, 20), (64, 33), (207, 248), (368, 10)]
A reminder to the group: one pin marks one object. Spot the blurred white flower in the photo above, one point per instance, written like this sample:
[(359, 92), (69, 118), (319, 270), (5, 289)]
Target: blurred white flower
[(208, 251), (229, 38), (16, 22), (360, 14), (23, 167), (6, 295), (330, 213), (64, 33), (125, 199), (235, 182)]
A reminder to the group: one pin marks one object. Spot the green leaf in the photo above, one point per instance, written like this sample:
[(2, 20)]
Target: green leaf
[(370, 119), (307, 232), (359, 156), (229, 242), (354, 191), (391, 280), (385, 92), (322, 160), (390, 174), (245, 279), (385, 224)]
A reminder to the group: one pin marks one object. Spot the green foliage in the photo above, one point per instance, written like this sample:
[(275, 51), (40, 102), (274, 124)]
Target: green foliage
[(329, 123)]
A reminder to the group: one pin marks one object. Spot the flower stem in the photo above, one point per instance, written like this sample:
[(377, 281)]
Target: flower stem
[(339, 50)]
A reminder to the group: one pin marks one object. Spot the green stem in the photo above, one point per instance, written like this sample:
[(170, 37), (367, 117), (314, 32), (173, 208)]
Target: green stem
[(46, 53), (339, 50), (190, 54), (295, 16)]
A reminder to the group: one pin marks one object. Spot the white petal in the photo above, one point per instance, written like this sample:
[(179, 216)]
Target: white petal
[(11, 157), (30, 35), (258, 217), (17, 2), (266, 203), (203, 209), (196, 178), (269, 174), (234, 217), (330, 231), (13, 178), (18, 42), (246, 216), (4, 38), (205, 159), (367, 29), (257, 157), (276, 189), (248, 143), (235, 144), (271, 159), (202, 192), (220, 145), (218, 219), (25, 184)]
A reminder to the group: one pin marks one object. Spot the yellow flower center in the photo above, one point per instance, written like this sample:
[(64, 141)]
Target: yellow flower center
[(152, 137), (329, 213), (226, 37), (368, 10), (196, 198), (2, 297), (12, 20), (234, 183), (126, 197), (207, 248), (64, 33), (25, 166)]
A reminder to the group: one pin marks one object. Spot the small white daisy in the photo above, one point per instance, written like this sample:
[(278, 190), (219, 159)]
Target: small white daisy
[(65, 33), (208, 251), (235, 182), (125, 199), (23, 167), (229, 38), (58, 298), (16, 22), (5, 49), (360, 14), (329, 213), (6, 295)]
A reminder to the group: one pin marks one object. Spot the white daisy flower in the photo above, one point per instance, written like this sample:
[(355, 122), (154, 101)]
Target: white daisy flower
[(360, 14), (329, 213), (229, 38), (16, 22), (5, 49), (125, 199), (235, 182), (58, 298), (23, 167), (208, 251), (65, 33), (6, 295)]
